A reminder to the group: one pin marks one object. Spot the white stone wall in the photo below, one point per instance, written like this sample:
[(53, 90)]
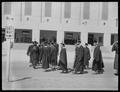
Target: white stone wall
[(58, 22)]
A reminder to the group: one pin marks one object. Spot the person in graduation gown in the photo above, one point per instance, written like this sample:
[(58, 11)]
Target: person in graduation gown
[(63, 59), (115, 48), (79, 66), (35, 54), (29, 53), (40, 53), (86, 56), (45, 63), (53, 56), (76, 52), (98, 64), (57, 50), (49, 54)]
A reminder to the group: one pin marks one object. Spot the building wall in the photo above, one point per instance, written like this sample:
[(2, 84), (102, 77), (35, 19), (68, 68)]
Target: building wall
[(37, 20)]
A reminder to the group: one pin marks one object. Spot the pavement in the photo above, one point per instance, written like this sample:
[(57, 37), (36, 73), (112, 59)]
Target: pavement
[(23, 77)]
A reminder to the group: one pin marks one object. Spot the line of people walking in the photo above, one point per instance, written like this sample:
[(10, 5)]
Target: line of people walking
[(46, 55)]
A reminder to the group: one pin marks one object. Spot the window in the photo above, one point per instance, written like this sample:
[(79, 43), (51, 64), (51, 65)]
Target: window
[(67, 10), (86, 10), (7, 8), (28, 8), (48, 35), (95, 36), (104, 10), (70, 38), (23, 36), (48, 7)]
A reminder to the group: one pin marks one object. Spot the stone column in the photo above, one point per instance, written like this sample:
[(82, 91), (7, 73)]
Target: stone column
[(84, 37)]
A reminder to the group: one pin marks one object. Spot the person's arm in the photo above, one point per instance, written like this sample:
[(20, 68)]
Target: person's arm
[(89, 54), (28, 51)]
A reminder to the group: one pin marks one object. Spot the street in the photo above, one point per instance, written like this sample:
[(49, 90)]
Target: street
[(26, 78)]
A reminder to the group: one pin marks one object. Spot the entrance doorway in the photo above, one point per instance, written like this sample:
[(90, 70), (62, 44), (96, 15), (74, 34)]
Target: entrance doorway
[(23, 36), (114, 37), (48, 35), (95, 36), (70, 38)]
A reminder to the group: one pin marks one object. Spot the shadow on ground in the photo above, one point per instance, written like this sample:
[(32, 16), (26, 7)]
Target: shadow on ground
[(20, 79)]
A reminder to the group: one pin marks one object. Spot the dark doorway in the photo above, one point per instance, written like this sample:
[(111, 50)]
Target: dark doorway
[(70, 38), (23, 35), (114, 37), (48, 35), (3, 35), (95, 36)]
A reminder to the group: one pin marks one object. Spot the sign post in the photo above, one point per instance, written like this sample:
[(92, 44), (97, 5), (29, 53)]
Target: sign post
[(9, 34)]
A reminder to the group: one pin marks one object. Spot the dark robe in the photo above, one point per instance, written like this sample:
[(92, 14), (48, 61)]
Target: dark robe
[(76, 53), (57, 50), (53, 55), (49, 54), (35, 55), (98, 60), (63, 59), (40, 53), (115, 48), (29, 52), (86, 56), (45, 63), (79, 59)]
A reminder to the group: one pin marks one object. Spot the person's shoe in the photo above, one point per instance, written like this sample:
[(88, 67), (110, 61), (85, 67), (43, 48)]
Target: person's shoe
[(34, 67), (116, 74)]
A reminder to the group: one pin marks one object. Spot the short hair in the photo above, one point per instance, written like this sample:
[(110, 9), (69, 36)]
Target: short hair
[(95, 41), (79, 41), (86, 44)]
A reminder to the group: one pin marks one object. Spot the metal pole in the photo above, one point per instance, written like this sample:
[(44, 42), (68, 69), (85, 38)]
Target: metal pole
[(41, 12), (8, 60)]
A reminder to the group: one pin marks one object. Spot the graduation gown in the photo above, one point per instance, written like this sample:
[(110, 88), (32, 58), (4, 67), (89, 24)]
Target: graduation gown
[(86, 56), (53, 55), (63, 59), (40, 53), (29, 52), (79, 59), (98, 60), (115, 48), (49, 54), (35, 55), (45, 63), (57, 50), (76, 52)]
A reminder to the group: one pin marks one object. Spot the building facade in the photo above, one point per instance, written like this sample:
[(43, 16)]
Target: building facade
[(62, 21)]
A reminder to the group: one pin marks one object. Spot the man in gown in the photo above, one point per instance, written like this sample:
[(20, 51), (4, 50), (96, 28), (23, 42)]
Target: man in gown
[(86, 56), (45, 63), (29, 53), (115, 48), (53, 56), (63, 58), (35, 54), (98, 64), (79, 65), (40, 53)]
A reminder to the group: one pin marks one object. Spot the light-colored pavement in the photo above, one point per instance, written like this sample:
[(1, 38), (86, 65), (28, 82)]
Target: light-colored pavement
[(26, 78)]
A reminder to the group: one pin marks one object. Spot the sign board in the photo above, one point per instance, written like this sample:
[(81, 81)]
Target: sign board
[(9, 32)]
